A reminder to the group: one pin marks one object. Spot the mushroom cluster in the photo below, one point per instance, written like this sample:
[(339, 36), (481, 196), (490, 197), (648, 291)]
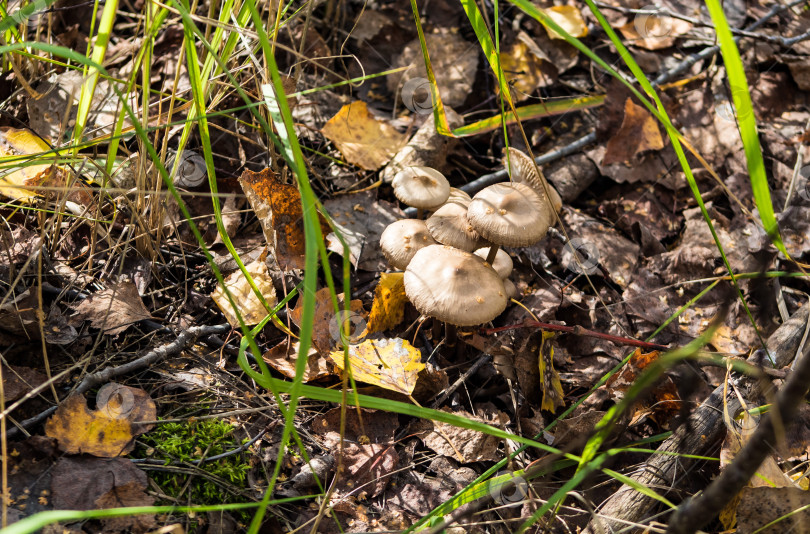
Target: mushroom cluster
[(454, 268)]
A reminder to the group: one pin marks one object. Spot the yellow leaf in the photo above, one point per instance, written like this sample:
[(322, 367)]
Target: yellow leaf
[(363, 140), (389, 363), (107, 432), (569, 18), (18, 176), (249, 304), (388, 307), (552, 388)]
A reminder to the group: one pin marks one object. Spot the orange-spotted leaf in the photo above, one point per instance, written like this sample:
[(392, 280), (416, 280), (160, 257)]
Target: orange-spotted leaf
[(662, 404), (388, 363), (110, 429), (361, 138), (388, 307), (327, 327), (552, 387), (250, 307)]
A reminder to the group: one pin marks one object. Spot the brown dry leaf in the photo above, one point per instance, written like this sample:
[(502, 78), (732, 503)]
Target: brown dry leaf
[(760, 506), (361, 218), (85, 483), (637, 134), (284, 356), (361, 138), (662, 403), (326, 328), (450, 441), (250, 306), (17, 381), (388, 363), (569, 18), (550, 379), (388, 307), (526, 66), (368, 467), (653, 32), (768, 473), (278, 207), (109, 430), (377, 426), (114, 309)]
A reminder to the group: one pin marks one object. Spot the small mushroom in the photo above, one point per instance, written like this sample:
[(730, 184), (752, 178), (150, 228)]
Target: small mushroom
[(449, 226), (510, 287), (402, 239), (509, 214), (421, 187), (523, 170), (455, 287), (502, 263)]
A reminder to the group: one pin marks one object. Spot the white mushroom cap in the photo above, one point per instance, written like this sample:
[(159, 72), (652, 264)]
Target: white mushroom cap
[(449, 226), (510, 214), (458, 196), (454, 286), (421, 187), (510, 287), (402, 239), (503, 261), (524, 171)]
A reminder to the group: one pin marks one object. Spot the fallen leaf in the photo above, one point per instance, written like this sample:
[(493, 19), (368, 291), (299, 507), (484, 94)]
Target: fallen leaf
[(85, 483), (377, 426), (250, 307), (278, 207), (388, 307), (526, 66), (326, 327), (662, 403), (109, 430), (368, 467), (114, 309), (17, 381), (637, 134), (768, 473), (569, 18), (760, 506), (388, 363), (361, 219), (361, 138), (30, 464), (550, 380), (653, 31), (283, 358), (452, 441)]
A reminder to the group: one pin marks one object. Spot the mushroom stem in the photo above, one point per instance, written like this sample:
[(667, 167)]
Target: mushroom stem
[(493, 251), (450, 334), (437, 330), (420, 213)]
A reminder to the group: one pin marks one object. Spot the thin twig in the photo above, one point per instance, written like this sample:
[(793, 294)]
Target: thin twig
[(578, 331)]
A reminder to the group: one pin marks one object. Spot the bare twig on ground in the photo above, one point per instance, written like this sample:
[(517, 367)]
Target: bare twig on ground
[(153, 356), (703, 432)]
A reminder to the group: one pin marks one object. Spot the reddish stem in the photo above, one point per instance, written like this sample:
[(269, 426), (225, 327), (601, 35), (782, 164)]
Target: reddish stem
[(578, 331)]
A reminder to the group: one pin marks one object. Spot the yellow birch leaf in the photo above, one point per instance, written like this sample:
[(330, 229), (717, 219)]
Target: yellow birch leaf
[(552, 387), (569, 18), (361, 138), (388, 307), (19, 178), (388, 363)]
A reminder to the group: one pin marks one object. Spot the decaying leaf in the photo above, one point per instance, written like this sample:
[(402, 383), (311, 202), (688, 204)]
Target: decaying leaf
[(637, 134), (326, 327), (768, 473), (368, 467), (760, 506), (461, 443), (361, 138), (107, 431), (250, 307), (284, 356), (375, 426), (85, 483), (569, 18), (552, 388), (663, 402), (388, 307), (17, 381), (278, 207), (114, 309), (388, 363), (526, 66)]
